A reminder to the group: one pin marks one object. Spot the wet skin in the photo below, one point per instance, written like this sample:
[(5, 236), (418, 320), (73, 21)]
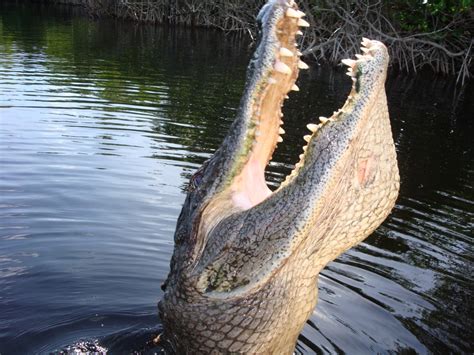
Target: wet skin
[(246, 261)]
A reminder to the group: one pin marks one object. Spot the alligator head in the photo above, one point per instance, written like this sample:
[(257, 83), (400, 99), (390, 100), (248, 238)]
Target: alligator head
[(246, 261)]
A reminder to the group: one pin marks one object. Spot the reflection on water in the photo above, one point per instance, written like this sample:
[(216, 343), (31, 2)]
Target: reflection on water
[(101, 126)]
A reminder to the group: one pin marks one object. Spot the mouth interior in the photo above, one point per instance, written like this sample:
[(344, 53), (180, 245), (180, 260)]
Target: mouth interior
[(249, 188)]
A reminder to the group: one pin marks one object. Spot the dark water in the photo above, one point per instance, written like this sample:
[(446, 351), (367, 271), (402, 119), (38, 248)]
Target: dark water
[(102, 125)]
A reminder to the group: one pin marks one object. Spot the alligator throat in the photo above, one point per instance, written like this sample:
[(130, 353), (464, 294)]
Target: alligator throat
[(246, 261)]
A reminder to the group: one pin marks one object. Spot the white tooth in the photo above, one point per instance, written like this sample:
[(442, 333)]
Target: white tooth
[(272, 81), (281, 115), (301, 13), (307, 138), (285, 52), (282, 68), (350, 97), (302, 65), (312, 127), (305, 148), (281, 131), (359, 56), (301, 156), (354, 79), (350, 73), (299, 33), (279, 139), (295, 88), (348, 62), (323, 119), (365, 50), (299, 54), (366, 42), (287, 97), (292, 13), (303, 23)]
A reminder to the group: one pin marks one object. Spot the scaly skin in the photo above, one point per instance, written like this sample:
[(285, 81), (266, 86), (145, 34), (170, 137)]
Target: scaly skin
[(246, 261)]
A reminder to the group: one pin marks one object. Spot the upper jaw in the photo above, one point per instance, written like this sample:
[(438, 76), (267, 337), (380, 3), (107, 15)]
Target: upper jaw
[(368, 73)]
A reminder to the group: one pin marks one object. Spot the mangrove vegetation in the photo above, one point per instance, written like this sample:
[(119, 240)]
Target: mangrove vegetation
[(421, 33)]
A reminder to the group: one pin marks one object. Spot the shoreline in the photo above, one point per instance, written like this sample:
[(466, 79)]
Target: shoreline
[(334, 34)]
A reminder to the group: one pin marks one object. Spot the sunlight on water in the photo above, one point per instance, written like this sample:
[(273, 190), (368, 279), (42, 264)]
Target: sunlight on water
[(103, 123)]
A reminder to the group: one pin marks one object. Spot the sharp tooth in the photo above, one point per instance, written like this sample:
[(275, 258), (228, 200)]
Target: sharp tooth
[(350, 73), (366, 42), (285, 52), (282, 68), (287, 97), (299, 33), (350, 97), (302, 65), (272, 81), (295, 88), (354, 79), (307, 138), (303, 23), (305, 148), (301, 13), (359, 56), (281, 131), (281, 115), (365, 50), (299, 54), (292, 13), (348, 62), (323, 119), (279, 139), (312, 127), (301, 156)]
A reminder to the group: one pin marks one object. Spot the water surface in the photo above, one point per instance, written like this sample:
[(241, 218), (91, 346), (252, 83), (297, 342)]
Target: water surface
[(101, 126)]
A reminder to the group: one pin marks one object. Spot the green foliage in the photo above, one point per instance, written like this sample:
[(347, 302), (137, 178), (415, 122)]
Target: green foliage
[(419, 16)]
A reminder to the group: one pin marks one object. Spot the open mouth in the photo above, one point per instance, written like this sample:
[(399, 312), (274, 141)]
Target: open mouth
[(279, 60)]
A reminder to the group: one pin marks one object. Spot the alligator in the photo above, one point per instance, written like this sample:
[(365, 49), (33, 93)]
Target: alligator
[(244, 271)]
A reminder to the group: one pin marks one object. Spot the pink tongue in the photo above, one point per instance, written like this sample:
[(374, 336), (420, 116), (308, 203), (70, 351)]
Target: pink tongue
[(252, 188)]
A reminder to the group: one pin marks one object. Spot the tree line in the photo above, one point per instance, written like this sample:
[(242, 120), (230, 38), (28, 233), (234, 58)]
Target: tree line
[(419, 33)]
